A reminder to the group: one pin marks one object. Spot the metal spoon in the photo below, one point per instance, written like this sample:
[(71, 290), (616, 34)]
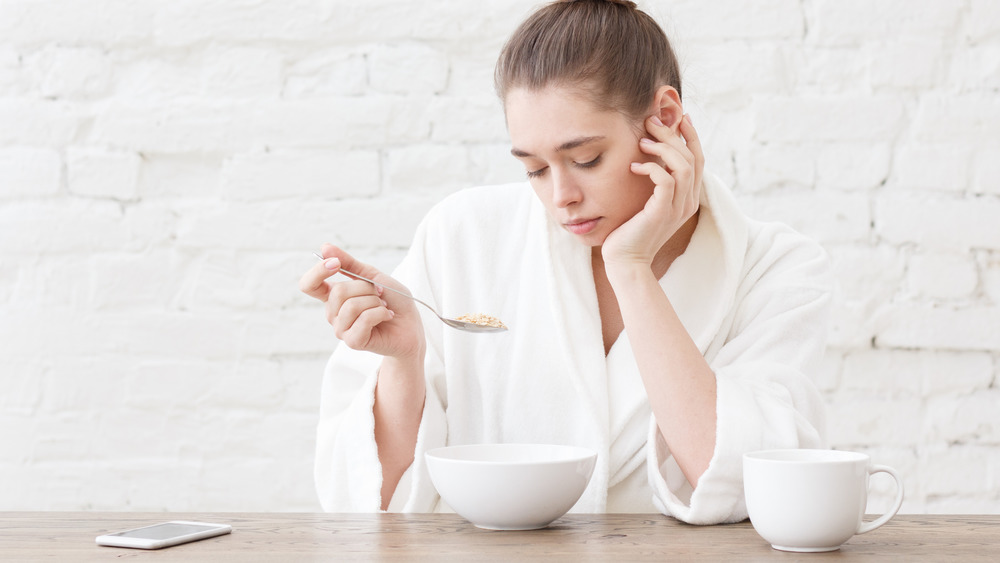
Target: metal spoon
[(454, 323)]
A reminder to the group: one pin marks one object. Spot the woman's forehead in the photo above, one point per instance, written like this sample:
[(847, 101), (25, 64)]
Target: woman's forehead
[(551, 117)]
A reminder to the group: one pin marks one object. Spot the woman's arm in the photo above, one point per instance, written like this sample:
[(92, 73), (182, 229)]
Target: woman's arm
[(679, 383), (399, 405), (366, 318)]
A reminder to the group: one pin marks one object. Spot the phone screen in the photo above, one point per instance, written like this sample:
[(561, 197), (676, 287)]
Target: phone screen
[(164, 531)]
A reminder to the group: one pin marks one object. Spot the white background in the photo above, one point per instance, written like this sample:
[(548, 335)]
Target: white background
[(167, 167)]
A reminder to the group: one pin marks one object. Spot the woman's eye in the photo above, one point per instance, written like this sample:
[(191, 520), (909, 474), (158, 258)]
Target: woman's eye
[(537, 173), (590, 164)]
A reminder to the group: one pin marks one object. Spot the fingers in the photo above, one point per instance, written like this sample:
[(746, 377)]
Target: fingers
[(668, 145), (354, 310), (678, 152), (349, 262), (656, 173), (313, 282), (693, 142)]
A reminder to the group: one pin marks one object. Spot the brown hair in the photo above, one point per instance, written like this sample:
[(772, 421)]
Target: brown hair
[(613, 50)]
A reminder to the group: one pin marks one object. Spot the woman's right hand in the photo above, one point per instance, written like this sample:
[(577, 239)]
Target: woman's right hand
[(365, 317)]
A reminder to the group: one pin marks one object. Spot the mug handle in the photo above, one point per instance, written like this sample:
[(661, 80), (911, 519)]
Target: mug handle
[(869, 526)]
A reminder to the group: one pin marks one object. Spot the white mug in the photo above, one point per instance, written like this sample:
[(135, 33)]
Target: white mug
[(811, 500)]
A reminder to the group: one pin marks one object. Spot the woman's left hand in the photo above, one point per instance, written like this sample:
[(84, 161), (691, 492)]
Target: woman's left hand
[(676, 172)]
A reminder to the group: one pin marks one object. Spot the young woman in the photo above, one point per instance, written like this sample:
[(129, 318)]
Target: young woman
[(650, 320)]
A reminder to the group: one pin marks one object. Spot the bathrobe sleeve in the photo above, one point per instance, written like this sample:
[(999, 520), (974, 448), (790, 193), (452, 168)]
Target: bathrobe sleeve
[(348, 475), (763, 359)]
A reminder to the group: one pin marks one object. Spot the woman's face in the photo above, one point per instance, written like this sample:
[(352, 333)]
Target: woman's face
[(578, 159)]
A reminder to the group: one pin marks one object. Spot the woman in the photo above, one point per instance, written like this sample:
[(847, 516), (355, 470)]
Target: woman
[(650, 320)]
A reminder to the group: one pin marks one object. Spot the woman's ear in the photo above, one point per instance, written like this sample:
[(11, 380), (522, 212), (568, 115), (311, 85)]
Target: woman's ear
[(668, 107)]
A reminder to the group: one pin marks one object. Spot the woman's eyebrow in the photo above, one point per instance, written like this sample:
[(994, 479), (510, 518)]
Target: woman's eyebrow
[(572, 144)]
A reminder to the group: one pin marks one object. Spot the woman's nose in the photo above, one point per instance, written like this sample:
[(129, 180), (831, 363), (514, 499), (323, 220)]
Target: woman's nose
[(565, 191)]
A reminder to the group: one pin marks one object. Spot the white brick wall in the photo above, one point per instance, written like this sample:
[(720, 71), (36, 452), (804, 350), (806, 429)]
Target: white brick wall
[(167, 167)]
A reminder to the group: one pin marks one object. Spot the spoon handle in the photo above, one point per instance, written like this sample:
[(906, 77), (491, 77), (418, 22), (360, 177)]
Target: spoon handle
[(376, 284)]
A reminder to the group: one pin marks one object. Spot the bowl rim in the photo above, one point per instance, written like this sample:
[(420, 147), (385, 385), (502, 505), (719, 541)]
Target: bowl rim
[(573, 453)]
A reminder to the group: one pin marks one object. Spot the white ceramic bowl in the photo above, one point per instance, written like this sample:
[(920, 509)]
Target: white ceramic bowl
[(511, 486)]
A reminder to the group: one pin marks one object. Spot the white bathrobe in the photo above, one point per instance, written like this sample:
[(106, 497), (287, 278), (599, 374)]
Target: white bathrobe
[(753, 296)]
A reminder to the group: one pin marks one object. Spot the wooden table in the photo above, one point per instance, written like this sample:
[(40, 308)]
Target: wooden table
[(281, 537)]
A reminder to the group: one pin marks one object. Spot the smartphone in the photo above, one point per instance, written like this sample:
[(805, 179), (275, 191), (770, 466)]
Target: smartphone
[(164, 535)]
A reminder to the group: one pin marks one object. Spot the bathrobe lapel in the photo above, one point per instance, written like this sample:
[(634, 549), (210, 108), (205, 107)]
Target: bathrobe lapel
[(576, 315)]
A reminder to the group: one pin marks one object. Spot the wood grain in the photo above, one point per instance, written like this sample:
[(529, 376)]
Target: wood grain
[(62, 536)]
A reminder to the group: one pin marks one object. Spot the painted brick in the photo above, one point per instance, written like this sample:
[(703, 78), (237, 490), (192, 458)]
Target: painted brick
[(180, 127), (849, 22), (907, 63), (29, 173), (976, 69), (408, 68), (940, 327), (987, 171), (195, 177), (730, 20), (733, 72), (327, 72), (373, 122), (990, 268), (100, 173), (925, 277), (938, 222), (97, 22), (932, 167), (916, 372), (862, 420), (831, 217), (860, 166), (242, 72), (764, 167), (969, 418), (982, 21), (436, 167), (187, 22), (14, 81), (957, 471), (825, 70), (863, 119), (280, 175), (38, 123), (869, 275), (942, 118), (72, 72), (467, 120)]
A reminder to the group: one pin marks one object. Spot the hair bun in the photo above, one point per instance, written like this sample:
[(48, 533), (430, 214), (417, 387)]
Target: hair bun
[(627, 3)]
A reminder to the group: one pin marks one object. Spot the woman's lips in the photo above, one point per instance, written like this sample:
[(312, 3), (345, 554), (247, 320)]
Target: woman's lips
[(583, 227)]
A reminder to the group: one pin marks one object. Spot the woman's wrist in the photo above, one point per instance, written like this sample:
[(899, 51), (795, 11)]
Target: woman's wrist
[(624, 274)]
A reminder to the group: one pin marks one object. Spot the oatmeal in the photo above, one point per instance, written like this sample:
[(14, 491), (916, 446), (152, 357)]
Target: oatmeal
[(482, 320)]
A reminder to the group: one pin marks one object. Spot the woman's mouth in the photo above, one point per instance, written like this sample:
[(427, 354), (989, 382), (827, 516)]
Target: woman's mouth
[(578, 227)]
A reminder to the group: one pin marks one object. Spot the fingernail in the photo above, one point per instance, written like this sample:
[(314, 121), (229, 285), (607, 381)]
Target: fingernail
[(687, 116), (384, 304), (379, 289), (656, 121), (635, 165), (332, 264), (392, 314), (646, 141)]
